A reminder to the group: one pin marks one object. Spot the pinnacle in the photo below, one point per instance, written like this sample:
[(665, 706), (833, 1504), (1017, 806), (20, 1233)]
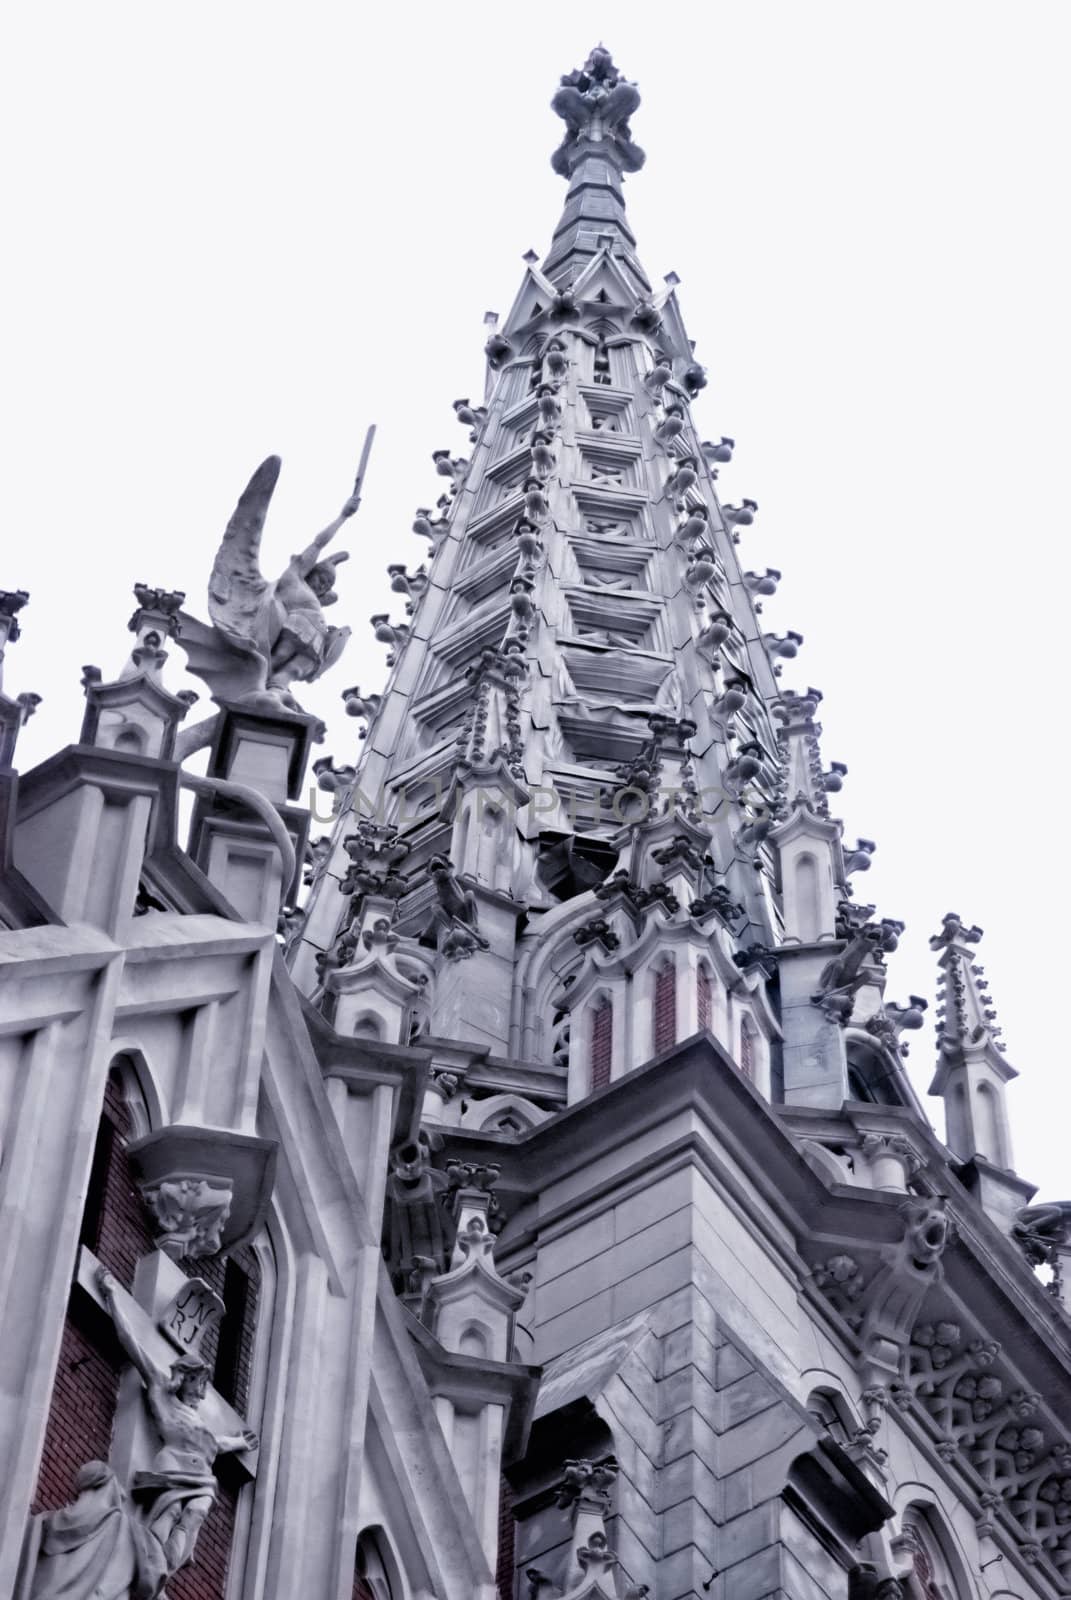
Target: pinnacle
[(595, 103)]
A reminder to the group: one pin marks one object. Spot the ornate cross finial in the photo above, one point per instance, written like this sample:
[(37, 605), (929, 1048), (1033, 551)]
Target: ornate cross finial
[(595, 104)]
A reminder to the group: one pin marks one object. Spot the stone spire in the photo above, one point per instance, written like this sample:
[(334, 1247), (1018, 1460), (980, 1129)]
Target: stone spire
[(972, 1072), (972, 1069), (577, 743), (595, 103)]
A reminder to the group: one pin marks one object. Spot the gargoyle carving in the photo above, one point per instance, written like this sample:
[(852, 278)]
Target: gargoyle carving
[(842, 978), (456, 920), (416, 1215), (1041, 1232)]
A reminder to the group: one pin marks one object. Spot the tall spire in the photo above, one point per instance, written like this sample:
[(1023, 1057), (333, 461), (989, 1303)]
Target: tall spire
[(596, 151), (607, 841)]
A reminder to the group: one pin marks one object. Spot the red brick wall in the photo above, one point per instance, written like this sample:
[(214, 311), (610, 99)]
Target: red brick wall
[(80, 1419), (205, 1580), (507, 1530), (84, 1393), (665, 1008), (602, 1043)]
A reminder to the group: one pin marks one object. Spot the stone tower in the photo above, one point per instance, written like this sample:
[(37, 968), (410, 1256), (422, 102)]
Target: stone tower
[(586, 859), (538, 1207)]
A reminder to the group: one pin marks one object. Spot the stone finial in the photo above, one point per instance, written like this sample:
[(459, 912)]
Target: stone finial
[(595, 103), (14, 713), (590, 1481), (11, 603), (376, 852), (965, 1015), (955, 931), (162, 604), (156, 619)]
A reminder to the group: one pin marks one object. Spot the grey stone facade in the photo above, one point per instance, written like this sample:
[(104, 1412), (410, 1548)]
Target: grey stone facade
[(602, 1247)]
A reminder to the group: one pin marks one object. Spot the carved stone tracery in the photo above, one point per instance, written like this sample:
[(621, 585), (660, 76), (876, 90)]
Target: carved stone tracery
[(995, 1430)]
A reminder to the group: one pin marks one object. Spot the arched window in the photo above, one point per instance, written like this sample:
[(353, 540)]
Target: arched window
[(114, 1227), (489, 847), (704, 999), (807, 899), (871, 1076), (665, 1007), (130, 739), (989, 1134), (932, 1576), (830, 1410), (371, 1571), (602, 1042)]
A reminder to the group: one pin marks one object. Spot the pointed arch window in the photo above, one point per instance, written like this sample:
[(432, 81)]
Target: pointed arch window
[(371, 1579), (665, 1007), (602, 1042), (932, 1576), (86, 1386)]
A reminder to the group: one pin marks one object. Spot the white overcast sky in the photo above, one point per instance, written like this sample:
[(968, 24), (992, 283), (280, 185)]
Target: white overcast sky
[(235, 229)]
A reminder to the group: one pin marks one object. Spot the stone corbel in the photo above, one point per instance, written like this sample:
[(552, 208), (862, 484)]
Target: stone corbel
[(206, 1190), (895, 1294)]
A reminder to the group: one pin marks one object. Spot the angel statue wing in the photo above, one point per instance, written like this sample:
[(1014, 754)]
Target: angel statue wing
[(233, 657), (239, 596)]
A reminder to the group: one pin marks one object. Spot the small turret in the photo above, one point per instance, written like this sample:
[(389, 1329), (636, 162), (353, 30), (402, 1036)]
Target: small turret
[(972, 1072)]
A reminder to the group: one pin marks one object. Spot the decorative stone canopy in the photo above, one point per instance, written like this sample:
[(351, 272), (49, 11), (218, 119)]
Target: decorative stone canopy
[(206, 1189)]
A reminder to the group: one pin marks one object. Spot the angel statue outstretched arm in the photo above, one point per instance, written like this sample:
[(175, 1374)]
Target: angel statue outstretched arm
[(306, 562)]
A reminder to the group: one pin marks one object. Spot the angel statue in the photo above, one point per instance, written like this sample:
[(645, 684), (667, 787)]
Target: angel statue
[(266, 636)]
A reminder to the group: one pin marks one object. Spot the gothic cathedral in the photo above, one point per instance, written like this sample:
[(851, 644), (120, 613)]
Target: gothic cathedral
[(514, 1192)]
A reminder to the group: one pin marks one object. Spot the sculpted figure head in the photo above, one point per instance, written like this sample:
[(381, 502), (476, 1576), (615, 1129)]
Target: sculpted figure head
[(189, 1379)]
